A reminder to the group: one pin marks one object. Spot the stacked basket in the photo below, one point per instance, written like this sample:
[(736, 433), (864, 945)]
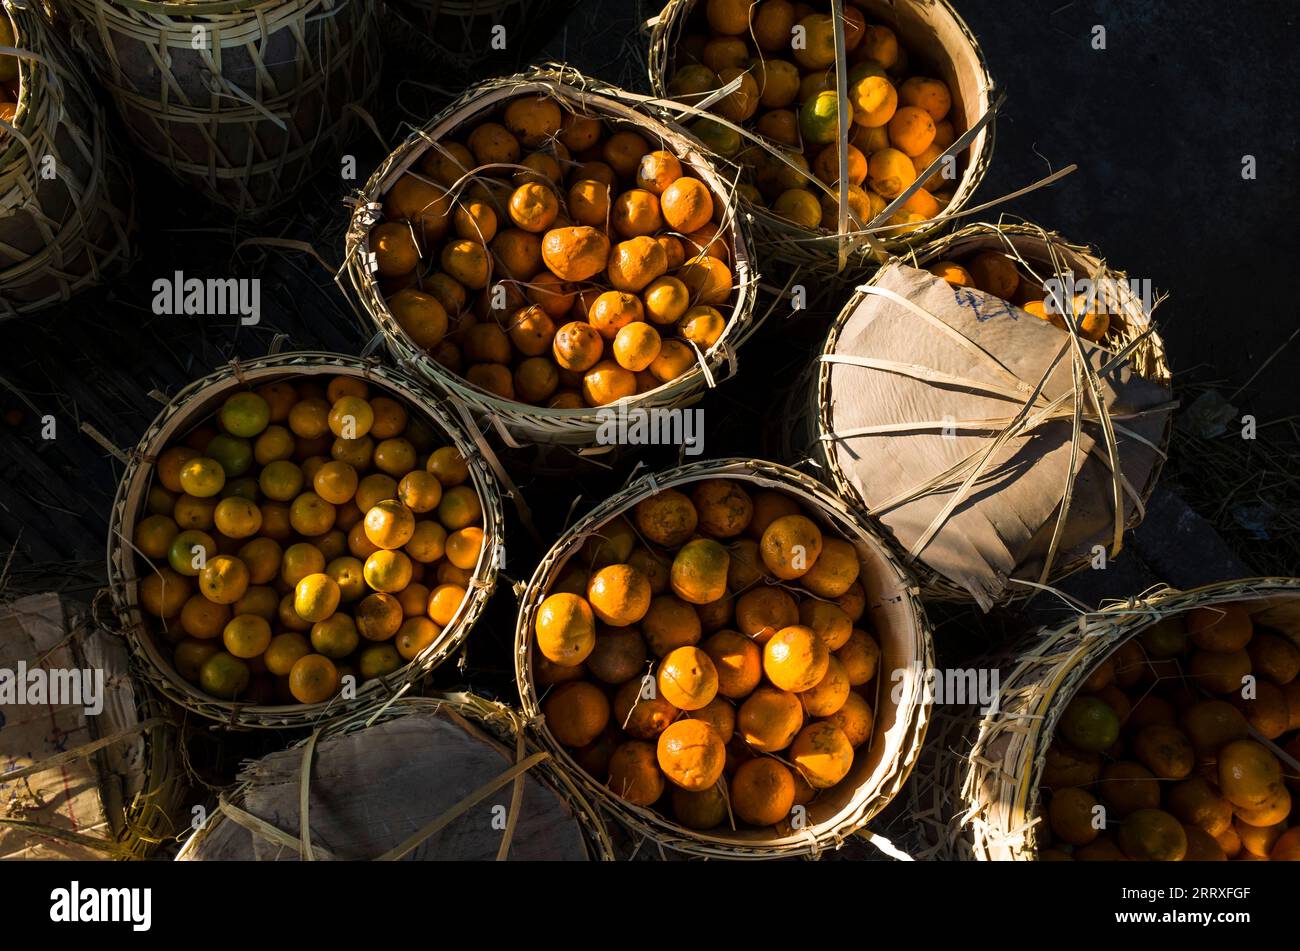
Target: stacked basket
[(241, 99), (66, 207)]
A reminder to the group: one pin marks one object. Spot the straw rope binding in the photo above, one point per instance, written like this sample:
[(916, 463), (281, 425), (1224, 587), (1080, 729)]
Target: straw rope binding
[(194, 404), (980, 784), (935, 32), (505, 729), (898, 622), (241, 100), (520, 423), (1132, 337), (66, 208)]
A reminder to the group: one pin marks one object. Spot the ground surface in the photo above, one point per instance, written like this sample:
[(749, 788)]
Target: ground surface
[(1158, 124)]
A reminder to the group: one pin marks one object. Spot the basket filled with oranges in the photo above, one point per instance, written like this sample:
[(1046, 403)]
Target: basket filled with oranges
[(858, 135), (299, 536), (545, 249), (728, 661), (1166, 728), (944, 404)]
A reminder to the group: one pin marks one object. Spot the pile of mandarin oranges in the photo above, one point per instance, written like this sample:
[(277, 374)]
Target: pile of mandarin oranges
[(702, 655), (782, 55), (306, 534), (1181, 746), (551, 258)]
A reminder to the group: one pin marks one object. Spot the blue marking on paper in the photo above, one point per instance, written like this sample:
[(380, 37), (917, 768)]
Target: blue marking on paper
[(986, 307)]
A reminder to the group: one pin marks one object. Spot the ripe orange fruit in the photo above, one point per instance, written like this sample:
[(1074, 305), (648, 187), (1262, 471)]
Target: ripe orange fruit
[(719, 714), (669, 623), (224, 675), (699, 571), (762, 791), (388, 571), (795, 659), (691, 754), (389, 524), (675, 359), (575, 253), (828, 620), (313, 679), (835, 570), (1222, 628), (444, 601), (634, 773), (640, 710), (607, 382), (1248, 773), (635, 346), (657, 171), (459, 508), (763, 611), (687, 678), (1127, 787), (335, 636), (533, 207), (463, 547), (822, 753), (224, 580), (246, 636), (577, 346), (415, 635), (201, 477), (576, 713), (635, 263), (395, 249), (829, 694), (686, 205), (725, 509), (699, 810), (619, 595), (619, 655), (202, 619), (565, 628), (1153, 835), (769, 719), (623, 151), (665, 300), (854, 718), (746, 568), (378, 616), (316, 597), (859, 656), (284, 651), (708, 280), (738, 662), (1195, 802), (790, 546)]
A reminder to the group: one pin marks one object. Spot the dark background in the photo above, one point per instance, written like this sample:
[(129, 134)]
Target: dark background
[(1158, 123)]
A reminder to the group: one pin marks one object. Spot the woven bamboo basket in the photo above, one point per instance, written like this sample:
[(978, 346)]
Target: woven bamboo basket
[(936, 37), (66, 208), (978, 788), (1132, 336), (196, 403), (520, 424), (494, 724), (241, 100), (78, 786), (897, 620)]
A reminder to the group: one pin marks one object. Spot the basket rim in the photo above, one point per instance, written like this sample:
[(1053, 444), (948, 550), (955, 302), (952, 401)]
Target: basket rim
[(180, 414), (936, 585), (540, 422), (820, 247), (913, 709), (1070, 652)]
